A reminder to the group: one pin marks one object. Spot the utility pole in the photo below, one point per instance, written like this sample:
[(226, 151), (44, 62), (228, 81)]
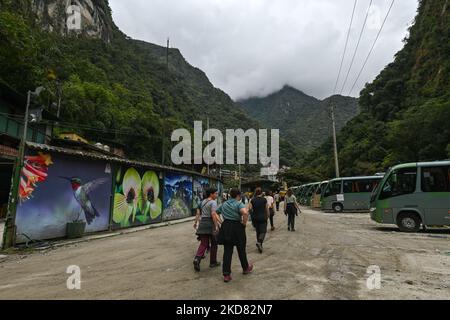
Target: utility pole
[(207, 126), (10, 224), (59, 90), (336, 158), (163, 143), (167, 53)]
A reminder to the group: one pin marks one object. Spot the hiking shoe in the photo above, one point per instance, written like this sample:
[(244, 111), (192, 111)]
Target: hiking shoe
[(249, 269), (227, 278), (215, 265), (197, 264)]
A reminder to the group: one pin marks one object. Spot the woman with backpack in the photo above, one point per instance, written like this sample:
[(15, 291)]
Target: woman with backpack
[(232, 233), (207, 224), (291, 209)]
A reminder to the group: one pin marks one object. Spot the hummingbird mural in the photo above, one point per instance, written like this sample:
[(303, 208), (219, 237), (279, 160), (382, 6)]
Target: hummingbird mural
[(81, 193)]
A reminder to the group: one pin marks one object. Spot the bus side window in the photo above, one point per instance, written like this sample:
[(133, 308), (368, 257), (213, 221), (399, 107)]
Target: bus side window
[(348, 187), (436, 179), (333, 188), (336, 188)]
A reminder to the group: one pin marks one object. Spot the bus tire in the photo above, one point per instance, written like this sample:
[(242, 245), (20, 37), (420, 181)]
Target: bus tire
[(409, 222), (338, 207)]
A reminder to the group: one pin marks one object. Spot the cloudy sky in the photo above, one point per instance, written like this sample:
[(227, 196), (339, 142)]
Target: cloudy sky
[(254, 47)]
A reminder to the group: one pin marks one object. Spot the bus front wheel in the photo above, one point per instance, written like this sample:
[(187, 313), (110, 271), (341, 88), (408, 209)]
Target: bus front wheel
[(409, 222), (338, 207)]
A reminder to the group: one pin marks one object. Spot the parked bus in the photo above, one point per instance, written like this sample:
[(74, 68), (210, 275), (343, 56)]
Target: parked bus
[(412, 195), (302, 195), (317, 195), (352, 193), (308, 195), (298, 191)]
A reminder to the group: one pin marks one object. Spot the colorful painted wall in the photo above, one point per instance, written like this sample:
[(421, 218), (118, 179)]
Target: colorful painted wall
[(177, 196), (200, 185), (56, 189), (137, 198)]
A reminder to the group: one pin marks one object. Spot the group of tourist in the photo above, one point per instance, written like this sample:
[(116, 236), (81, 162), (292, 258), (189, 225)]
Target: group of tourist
[(226, 225)]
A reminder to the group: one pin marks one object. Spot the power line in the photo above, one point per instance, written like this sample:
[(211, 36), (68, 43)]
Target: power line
[(333, 119), (346, 45), (373, 46), (357, 46)]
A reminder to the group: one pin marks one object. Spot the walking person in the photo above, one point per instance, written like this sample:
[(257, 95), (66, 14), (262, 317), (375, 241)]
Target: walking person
[(291, 209), (277, 201), (207, 224), (260, 215), (244, 199), (270, 204), (232, 233)]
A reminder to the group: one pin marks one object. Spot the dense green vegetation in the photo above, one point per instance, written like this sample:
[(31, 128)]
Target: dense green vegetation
[(120, 89), (302, 119), (405, 111)]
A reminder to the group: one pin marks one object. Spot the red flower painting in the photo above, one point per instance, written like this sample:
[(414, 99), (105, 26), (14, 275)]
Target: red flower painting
[(35, 170)]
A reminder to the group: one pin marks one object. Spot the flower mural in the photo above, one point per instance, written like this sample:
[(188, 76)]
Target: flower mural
[(150, 204), (136, 201), (35, 170)]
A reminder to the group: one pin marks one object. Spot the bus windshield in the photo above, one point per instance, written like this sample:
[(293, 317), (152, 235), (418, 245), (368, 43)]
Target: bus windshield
[(399, 182), (333, 188), (375, 192)]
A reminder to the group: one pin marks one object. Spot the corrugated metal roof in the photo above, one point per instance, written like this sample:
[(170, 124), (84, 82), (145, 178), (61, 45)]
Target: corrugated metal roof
[(99, 156)]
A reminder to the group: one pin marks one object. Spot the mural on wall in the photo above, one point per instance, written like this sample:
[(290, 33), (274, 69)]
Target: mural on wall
[(34, 171), (137, 199), (177, 196), (55, 190), (200, 185)]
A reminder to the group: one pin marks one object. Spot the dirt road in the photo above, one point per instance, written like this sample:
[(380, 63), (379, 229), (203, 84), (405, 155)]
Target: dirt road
[(327, 258)]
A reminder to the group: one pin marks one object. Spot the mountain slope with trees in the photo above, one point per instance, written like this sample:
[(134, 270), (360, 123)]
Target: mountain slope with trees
[(405, 110), (302, 119)]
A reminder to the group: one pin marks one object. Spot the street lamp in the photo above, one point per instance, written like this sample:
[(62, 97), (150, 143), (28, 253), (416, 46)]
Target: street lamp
[(10, 227)]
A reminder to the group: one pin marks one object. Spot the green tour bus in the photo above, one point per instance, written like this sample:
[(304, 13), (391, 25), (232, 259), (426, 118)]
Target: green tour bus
[(301, 199), (297, 192), (413, 195), (308, 196), (350, 193), (317, 195)]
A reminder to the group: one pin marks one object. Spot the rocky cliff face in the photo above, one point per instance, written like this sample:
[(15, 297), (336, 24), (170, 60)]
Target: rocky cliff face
[(91, 18)]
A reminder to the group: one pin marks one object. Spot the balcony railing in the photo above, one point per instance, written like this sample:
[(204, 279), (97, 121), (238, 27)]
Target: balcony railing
[(14, 129)]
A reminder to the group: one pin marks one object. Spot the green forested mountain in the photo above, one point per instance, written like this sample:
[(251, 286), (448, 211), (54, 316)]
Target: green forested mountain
[(302, 119), (113, 87), (405, 111)]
